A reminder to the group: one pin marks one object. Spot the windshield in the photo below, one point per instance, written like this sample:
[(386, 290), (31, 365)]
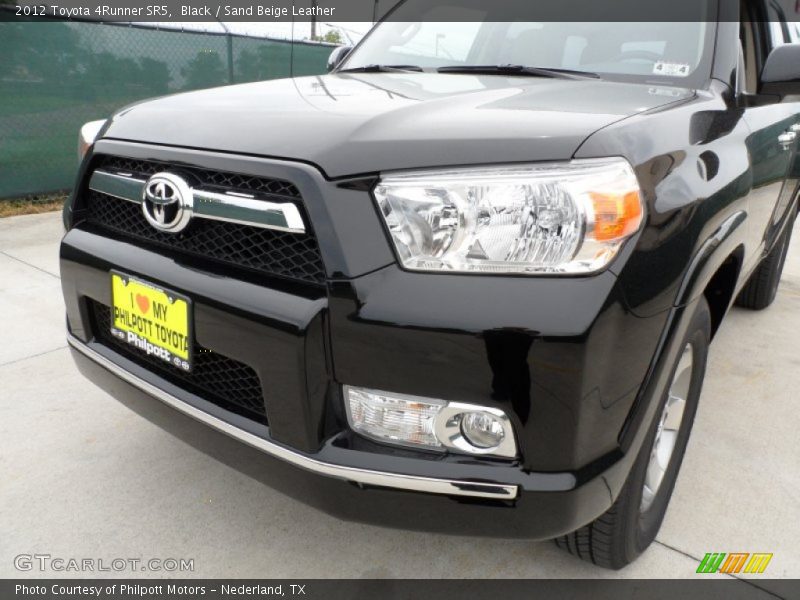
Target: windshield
[(661, 53)]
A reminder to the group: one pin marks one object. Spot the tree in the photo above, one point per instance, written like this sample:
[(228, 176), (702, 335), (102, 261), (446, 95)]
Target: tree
[(269, 60), (155, 75), (332, 36), (206, 69), (50, 51)]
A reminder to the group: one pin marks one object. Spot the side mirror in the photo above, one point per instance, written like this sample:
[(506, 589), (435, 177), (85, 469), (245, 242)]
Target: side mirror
[(781, 73), (337, 56)]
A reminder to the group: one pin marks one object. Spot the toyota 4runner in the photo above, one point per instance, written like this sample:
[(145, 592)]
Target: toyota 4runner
[(465, 282)]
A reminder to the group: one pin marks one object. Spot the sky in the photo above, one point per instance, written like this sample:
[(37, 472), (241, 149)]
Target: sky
[(302, 30)]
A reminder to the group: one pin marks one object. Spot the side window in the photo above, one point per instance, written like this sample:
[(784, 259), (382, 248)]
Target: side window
[(778, 33), (789, 10), (778, 28)]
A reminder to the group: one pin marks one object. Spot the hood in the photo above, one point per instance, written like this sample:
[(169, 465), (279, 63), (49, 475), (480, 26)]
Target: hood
[(348, 124)]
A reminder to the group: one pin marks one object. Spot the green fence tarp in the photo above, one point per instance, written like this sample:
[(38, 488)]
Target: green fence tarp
[(55, 76)]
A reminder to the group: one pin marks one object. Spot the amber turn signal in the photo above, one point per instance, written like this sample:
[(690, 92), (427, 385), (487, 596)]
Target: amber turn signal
[(616, 215)]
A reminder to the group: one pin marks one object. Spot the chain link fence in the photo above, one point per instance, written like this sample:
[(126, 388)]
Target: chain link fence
[(54, 76)]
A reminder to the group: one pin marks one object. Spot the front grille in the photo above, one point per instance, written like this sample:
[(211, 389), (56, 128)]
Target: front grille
[(223, 381), (289, 255), (266, 250)]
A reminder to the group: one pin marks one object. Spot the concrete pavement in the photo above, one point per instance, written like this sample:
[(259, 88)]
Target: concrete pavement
[(81, 476)]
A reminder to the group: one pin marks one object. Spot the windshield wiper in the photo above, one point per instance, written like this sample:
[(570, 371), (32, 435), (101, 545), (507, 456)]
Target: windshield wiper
[(381, 69), (518, 70)]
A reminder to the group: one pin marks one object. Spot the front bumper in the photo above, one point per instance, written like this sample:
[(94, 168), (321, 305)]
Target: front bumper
[(364, 477), (534, 506), (563, 357)]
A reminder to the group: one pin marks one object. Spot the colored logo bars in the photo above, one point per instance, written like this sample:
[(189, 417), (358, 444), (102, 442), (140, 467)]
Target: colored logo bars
[(735, 562)]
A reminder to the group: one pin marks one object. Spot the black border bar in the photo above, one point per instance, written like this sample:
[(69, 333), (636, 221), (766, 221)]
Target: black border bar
[(165, 11), (400, 589)]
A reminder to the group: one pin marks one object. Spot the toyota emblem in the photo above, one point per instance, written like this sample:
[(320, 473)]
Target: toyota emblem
[(167, 202)]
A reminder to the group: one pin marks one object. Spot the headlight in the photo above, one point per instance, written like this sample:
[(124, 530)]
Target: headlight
[(87, 135), (546, 218)]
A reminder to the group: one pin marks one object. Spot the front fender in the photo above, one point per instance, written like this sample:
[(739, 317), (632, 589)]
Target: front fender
[(718, 248), (713, 253)]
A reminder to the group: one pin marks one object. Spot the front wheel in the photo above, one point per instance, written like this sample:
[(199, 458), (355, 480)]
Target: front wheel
[(622, 533)]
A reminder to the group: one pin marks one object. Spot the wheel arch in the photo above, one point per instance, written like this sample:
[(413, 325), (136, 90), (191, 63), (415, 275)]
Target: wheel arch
[(713, 268), (721, 289)]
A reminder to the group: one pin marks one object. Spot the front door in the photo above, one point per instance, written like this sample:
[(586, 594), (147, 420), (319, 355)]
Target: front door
[(772, 143)]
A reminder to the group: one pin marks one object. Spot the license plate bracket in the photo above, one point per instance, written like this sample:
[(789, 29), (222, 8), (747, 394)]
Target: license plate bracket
[(155, 320)]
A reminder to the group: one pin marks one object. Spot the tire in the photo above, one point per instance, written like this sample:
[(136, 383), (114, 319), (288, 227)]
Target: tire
[(621, 534), (762, 287)]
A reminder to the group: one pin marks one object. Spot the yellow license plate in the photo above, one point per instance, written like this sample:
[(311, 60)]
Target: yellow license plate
[(152, 319)]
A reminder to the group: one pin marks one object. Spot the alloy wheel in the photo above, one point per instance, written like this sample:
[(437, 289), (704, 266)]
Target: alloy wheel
[(669, 425)]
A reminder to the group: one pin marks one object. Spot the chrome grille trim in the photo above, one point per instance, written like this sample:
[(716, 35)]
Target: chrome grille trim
[(209, 205)]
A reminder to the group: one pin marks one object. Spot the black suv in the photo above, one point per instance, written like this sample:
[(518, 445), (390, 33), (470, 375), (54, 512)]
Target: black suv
[(465, 282)]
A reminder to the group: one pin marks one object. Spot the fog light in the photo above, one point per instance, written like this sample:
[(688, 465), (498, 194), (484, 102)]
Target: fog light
[(402, 419), (482, 430), (429, 422)]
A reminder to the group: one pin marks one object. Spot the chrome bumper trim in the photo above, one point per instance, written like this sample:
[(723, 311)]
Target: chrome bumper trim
[(415, 483)]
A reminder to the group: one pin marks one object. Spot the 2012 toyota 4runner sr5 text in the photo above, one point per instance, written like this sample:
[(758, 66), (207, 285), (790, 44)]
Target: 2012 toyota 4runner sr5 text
[(465, 282)]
